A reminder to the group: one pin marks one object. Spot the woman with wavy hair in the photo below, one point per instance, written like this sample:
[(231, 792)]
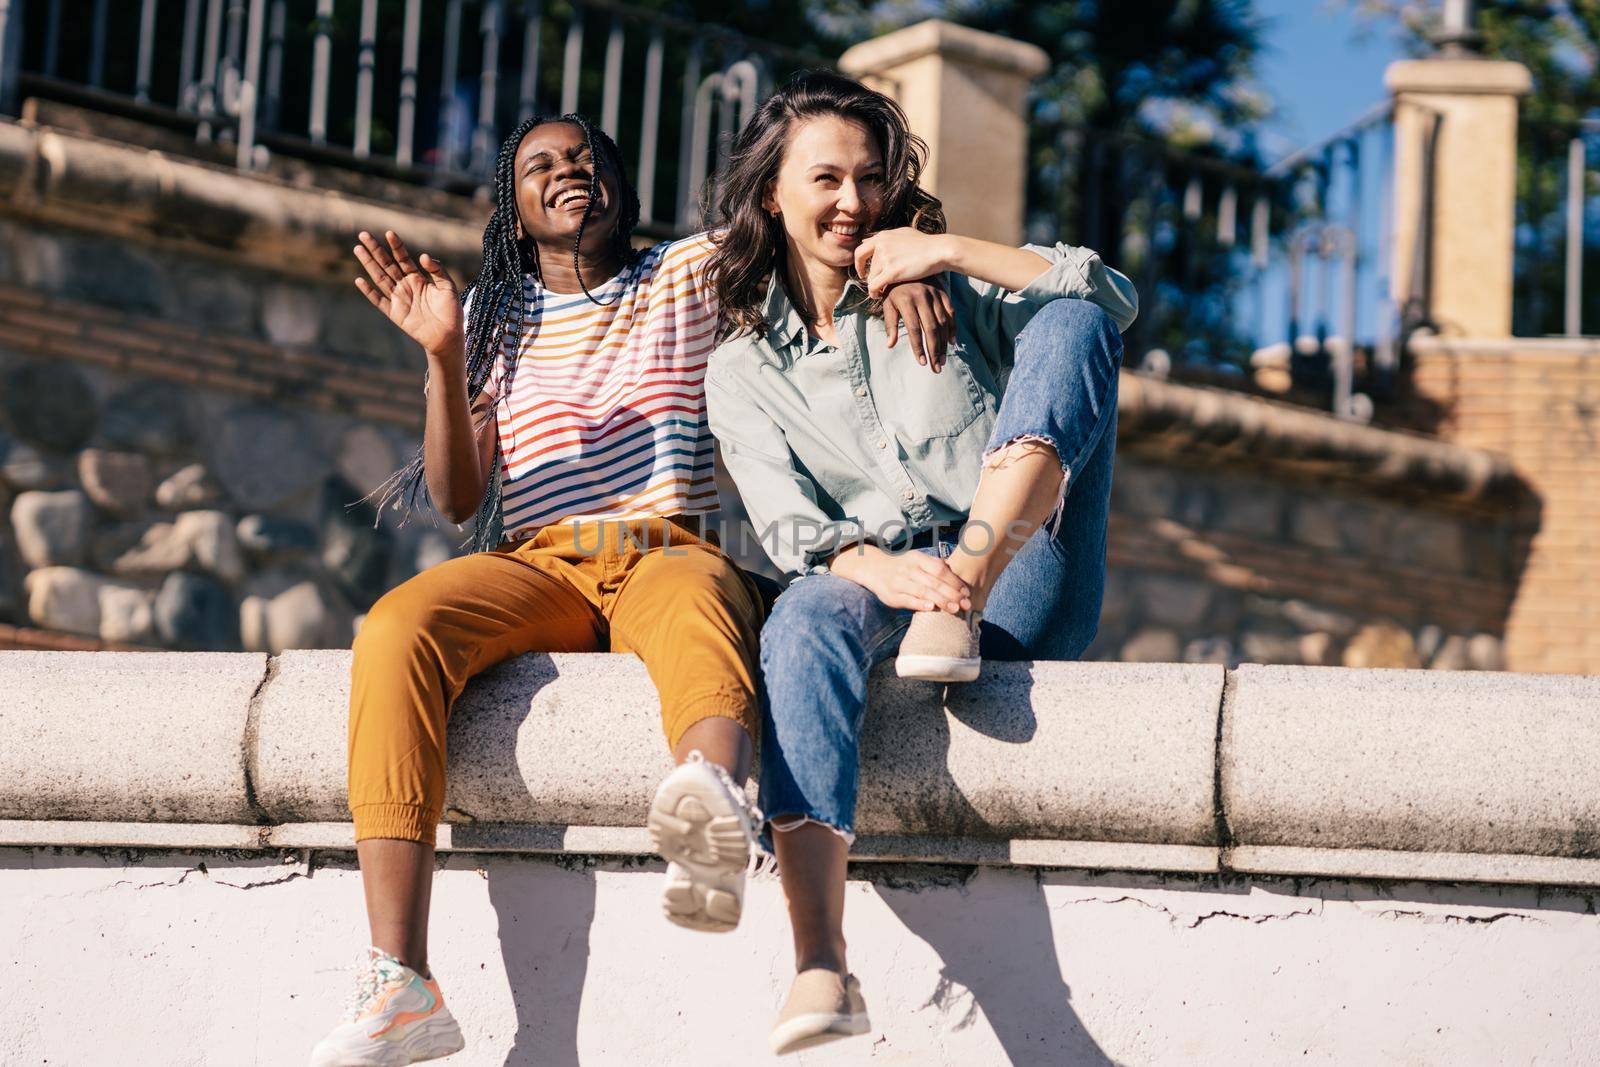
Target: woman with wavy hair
[(909, 507), (565, 411)]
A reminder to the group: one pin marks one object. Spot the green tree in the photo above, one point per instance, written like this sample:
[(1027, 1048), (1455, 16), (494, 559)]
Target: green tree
[(1123, 65), (1558, 41)]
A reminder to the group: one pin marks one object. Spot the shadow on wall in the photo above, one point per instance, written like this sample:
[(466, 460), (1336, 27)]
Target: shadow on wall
[(544, 940), (544, 911), (1006, 960)]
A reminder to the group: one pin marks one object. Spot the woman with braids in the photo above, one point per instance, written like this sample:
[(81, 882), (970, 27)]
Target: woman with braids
[(565, 412), (850, 460)]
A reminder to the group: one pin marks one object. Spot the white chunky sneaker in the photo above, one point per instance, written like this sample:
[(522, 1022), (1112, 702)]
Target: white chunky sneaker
[(704, 827), (395, 1017)]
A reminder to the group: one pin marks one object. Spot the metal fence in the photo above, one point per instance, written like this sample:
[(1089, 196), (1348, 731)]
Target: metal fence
[(1275, 278), (420, 89), (1558, 183)]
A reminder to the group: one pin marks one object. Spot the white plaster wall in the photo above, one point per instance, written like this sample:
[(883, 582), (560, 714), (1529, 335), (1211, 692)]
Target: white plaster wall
[(562, 961)]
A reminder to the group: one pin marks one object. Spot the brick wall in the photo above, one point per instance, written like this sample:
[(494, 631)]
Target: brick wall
[(1538, 402)]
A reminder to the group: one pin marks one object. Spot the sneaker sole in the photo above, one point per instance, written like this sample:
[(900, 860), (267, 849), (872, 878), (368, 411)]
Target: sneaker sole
[(938, 668), (432, 1039), (706, 836), (809, 1031), (435, 1039)]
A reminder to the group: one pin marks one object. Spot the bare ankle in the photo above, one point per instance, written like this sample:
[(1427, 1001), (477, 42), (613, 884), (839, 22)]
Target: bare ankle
[(826, 957), (971, 570), (821, 963)]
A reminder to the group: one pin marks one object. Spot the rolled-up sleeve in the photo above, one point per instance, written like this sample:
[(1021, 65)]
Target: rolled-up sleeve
[(781, 501), (997, 315)]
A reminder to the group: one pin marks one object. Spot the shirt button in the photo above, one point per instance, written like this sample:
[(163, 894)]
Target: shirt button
[(909, 496), (882, 443), (862, 391)]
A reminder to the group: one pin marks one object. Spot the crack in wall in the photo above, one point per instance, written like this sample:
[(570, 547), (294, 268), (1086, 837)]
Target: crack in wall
[(250, 754), (1314, 910), (153, 885), (201, 870), (1192, 921), (1224, 832), (1432, 919)]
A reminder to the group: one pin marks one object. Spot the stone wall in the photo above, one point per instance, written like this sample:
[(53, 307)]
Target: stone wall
[(170, 483), (1211, 565)]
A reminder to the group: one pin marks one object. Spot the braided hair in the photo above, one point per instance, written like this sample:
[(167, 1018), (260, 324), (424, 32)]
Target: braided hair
[(494, 301)]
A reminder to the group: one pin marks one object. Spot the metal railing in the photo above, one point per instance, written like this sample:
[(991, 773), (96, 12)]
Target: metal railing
[(1274, 278), (1558, 182), (422, 90)]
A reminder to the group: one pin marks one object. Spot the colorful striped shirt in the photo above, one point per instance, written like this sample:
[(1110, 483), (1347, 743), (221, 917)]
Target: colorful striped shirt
[(605, 415)]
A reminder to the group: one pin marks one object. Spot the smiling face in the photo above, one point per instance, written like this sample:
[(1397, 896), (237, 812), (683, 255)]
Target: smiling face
[(553, 168), (829, 189)]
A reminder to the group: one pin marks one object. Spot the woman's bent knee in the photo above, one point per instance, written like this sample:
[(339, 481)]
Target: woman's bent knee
[(1082, 317)]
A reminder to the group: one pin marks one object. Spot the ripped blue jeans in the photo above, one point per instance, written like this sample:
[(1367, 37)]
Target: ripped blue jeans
[(825, 634)]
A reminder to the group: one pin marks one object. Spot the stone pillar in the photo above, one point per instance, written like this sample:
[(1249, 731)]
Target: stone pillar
[(1474, 186), (965, 93), (1525, 398)]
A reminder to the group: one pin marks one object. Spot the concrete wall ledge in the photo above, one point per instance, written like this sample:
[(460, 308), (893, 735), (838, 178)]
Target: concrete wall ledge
[(1206, 423), (57, 175), (1310, 771)]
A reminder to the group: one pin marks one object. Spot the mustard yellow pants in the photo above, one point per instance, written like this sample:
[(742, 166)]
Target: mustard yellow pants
[(653, 588)]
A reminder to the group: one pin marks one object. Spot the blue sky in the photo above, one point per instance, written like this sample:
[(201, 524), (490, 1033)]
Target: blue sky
[(1322, 65)]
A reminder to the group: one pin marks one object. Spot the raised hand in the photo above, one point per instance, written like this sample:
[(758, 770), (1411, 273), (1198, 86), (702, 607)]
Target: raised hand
[(423, 302)]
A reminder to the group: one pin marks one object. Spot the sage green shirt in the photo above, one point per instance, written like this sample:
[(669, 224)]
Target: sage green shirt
[(830, 446)]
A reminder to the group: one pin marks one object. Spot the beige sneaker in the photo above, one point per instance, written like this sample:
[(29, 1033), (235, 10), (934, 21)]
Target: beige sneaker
[(940, 647), (823, 1006), (704, 827)]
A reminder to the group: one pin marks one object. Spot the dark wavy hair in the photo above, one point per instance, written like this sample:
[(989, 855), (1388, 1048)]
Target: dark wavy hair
[(750, 243), (494, 300)]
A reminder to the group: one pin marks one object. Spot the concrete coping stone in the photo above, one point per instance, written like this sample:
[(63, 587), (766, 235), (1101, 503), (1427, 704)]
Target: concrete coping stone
[(948, 39), (597, 841), (126, 736), (1149, 767), (1413, 761), (1467, 75), (575, 739), (251, 216)]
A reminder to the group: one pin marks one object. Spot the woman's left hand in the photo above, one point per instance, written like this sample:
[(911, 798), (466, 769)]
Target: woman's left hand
[(928, 317), (898, 255)]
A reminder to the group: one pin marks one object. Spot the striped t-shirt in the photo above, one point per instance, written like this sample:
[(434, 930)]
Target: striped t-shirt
[(606, 412)]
